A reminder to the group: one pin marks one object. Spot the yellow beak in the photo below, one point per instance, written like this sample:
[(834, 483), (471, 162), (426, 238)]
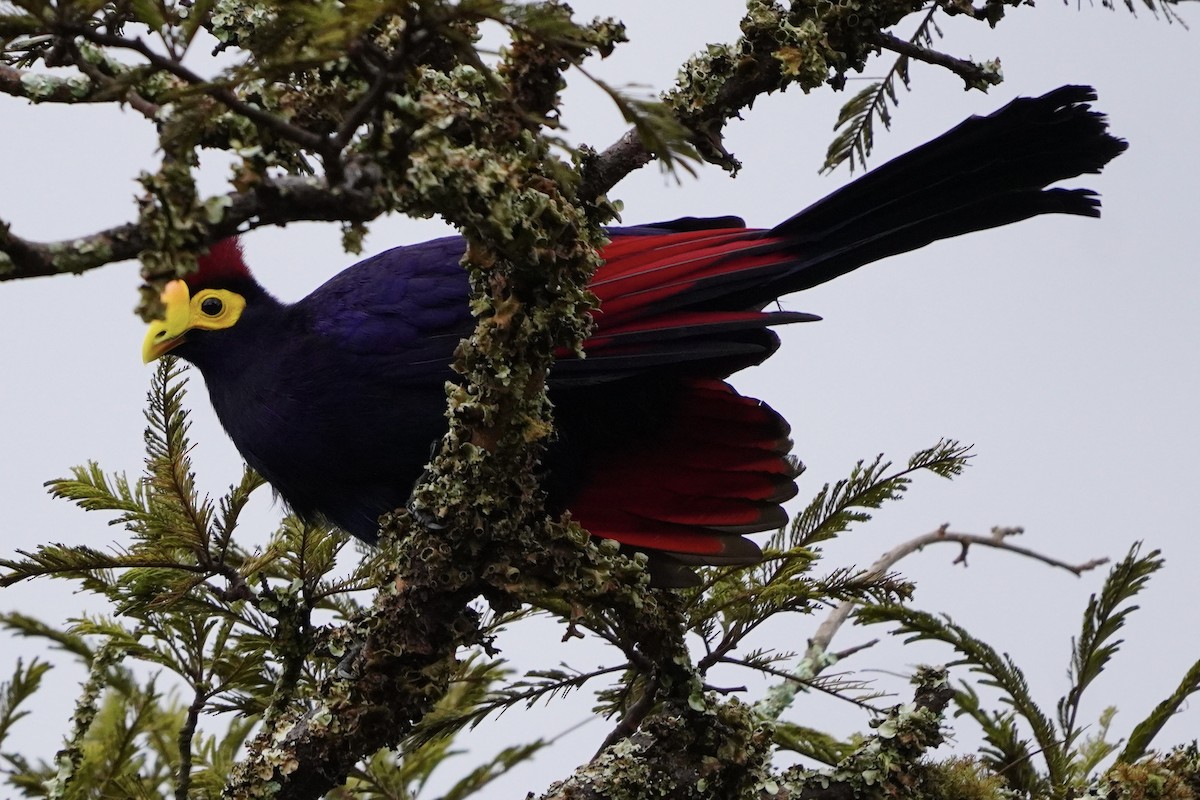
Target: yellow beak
[(165, 334)]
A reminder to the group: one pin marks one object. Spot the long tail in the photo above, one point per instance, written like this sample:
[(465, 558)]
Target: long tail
[(686, 299), (987, 172), (984, 173)]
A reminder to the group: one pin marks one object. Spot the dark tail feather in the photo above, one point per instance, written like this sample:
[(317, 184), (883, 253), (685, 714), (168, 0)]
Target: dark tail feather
[(988, 171)]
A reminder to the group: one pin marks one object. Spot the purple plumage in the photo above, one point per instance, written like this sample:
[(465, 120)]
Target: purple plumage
[(337, 399)]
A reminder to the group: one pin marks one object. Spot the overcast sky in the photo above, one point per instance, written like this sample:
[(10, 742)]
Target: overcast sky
[(1065, 349)]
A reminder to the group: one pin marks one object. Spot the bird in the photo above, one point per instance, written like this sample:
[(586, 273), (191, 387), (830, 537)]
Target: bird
[(337, 399)]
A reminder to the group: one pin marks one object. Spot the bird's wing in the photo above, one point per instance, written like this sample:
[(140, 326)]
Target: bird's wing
[(400, 313), (713, 467), (660, 304)]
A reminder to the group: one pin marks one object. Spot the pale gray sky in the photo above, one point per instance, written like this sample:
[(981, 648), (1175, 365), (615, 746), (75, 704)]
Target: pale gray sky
[(1065, 349)]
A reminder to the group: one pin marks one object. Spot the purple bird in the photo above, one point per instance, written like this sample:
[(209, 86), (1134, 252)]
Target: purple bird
[(336, 399)]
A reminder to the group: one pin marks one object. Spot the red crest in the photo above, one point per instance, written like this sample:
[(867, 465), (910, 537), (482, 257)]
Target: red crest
[(222, 264)]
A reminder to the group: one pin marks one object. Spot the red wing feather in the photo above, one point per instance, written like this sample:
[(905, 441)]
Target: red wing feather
[(719, 469), (652, 274)]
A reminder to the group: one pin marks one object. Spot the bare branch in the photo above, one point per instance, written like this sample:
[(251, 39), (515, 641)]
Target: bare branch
[(186, 733), (816, 656), (605, 170), (976, 76)]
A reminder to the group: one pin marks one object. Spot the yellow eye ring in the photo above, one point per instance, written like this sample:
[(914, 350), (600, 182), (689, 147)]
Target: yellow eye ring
[(215, 309)]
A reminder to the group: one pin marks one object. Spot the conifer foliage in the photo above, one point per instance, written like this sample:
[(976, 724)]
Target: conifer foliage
[(299, 668)]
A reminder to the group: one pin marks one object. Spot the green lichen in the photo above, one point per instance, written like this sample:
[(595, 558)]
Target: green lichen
[(173, 218), (69, 759), (1174, 776), (886, 762), (961, 778), (721, 752), (39, 87), (238, 22)]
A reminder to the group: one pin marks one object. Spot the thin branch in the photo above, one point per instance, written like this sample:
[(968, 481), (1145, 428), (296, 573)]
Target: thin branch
[(186, 733), (633, 716), (385, 79), (106, 562), (220, 93), (976, 76), (841, 655), (816, 658), (604, 171), (858, 138), (355, 117), (108, 85), (808, 683)]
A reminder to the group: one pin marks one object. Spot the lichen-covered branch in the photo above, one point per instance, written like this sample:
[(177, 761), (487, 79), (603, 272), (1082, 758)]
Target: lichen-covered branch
[(532, 249), (271, 201), (394, 676), (887, 764), (271, 108), (718, 751), (217, 91), (723, 750), (805, 44), (48, 88)]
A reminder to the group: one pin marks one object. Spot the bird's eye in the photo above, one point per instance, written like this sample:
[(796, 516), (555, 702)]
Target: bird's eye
[(212, 306)]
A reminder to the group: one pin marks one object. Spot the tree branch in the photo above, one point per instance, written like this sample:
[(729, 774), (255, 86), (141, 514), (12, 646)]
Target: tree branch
[(717, 752), (271, 201), (603, 171), (109, 84), (976, 76), (887, 763), (39, 88), (222, 94), (393, 678), (531, 250), (186, 732), (816, 656)]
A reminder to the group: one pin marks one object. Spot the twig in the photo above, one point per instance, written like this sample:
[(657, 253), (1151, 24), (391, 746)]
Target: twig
[(770, 708), (184, 781), (108, 84), (974, 75), (816, 656), (858, 648), (633, 716), (357, 115), (604, 171), (220, 93)]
